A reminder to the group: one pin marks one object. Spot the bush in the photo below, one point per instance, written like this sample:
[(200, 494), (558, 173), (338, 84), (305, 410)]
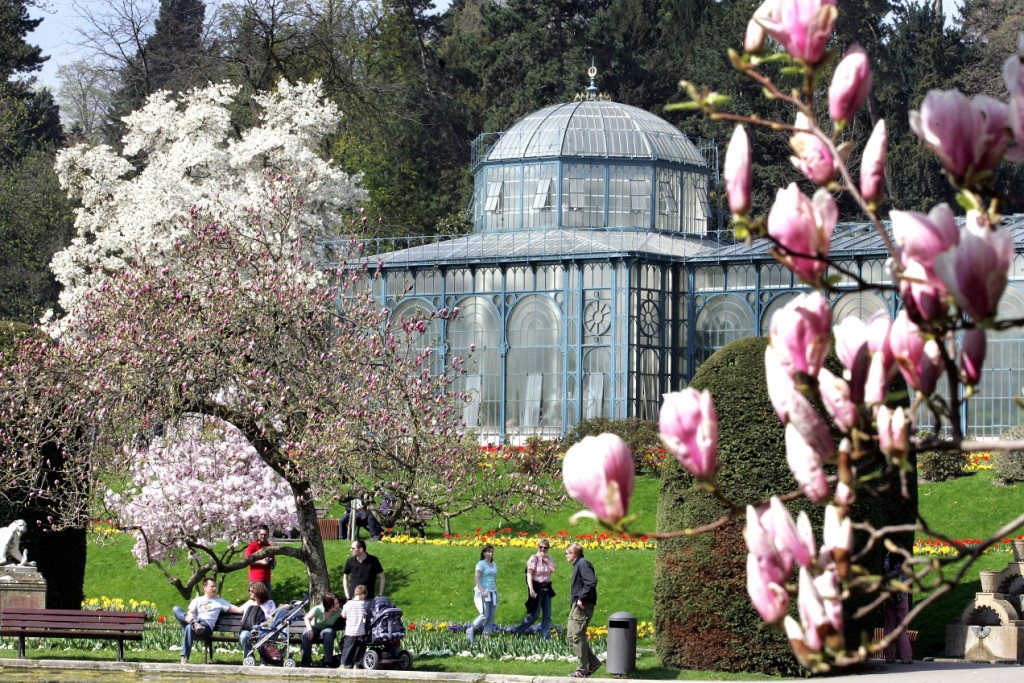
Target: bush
[(1009, 465), (940, 465), (640, 435), (703, 617)]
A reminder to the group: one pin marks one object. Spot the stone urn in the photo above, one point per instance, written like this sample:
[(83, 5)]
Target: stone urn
[(1018, 550), (989, 581)]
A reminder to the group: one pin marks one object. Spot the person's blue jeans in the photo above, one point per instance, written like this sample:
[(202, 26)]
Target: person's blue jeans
[(188, 634), (543, 607), (314, 635), (245, 639), (485, 622)]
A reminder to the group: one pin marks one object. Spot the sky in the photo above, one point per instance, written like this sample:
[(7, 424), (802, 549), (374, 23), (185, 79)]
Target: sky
[(57, 36)]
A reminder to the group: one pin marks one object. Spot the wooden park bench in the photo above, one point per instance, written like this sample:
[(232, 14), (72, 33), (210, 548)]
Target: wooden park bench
[(228, 627), (71, 623)]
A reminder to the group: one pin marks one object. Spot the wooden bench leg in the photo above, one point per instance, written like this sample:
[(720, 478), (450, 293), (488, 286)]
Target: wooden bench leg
[(21, 647), (207, 652), (120, 649)]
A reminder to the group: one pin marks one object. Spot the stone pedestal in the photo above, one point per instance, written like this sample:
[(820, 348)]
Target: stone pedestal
[(991, 627), (22, 587)]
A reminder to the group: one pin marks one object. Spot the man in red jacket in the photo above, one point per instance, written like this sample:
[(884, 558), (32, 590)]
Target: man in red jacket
[(260, 569)]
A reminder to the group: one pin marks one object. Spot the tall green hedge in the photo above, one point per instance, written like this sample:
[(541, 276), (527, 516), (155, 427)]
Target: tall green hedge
[(702, 614), (59, 555)]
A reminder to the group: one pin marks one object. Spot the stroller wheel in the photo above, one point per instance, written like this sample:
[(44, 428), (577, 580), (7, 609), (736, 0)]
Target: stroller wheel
[(371, 659), (404, 660), (289, 663), (249, 661)]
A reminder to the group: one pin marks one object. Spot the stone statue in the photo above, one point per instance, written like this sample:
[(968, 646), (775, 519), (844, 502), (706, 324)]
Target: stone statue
[(10, 544)]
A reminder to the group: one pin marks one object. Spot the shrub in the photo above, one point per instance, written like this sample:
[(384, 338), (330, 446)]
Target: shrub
[(703, 617), (640, 435), (1009, 465), (939, 465)]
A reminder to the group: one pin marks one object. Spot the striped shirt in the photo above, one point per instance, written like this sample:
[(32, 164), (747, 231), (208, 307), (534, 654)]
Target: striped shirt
[(354, 613)]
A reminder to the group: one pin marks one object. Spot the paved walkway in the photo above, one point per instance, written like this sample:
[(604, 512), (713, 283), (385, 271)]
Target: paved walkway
[(943, 671)]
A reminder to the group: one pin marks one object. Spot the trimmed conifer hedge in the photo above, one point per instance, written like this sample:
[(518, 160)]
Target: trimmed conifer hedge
[(703, 617)]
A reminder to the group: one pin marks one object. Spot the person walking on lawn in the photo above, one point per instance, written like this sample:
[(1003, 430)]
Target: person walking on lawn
[(539, 569), (582, 597)]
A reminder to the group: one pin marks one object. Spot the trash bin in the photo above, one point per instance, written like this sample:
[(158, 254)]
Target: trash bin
[(621, 644)]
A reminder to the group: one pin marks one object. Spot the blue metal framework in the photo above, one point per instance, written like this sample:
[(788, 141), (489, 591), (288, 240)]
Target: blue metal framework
[(582, 300)]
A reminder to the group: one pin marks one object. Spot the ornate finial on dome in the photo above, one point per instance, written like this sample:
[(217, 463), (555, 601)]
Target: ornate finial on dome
[(592, 72)]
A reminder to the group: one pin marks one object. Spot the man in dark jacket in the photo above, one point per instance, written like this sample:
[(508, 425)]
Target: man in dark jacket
[(583, 597)]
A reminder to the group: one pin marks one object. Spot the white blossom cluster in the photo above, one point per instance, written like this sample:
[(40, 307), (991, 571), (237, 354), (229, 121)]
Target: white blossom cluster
[(182, 153)]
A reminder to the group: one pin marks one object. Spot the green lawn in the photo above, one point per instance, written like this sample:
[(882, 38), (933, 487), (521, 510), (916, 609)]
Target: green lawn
[(435, 583)]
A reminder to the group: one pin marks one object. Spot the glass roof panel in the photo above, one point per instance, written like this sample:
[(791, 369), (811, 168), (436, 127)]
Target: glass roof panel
[(595, 129)]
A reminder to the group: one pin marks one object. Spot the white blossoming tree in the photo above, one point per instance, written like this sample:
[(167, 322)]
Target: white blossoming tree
[(183, 154)]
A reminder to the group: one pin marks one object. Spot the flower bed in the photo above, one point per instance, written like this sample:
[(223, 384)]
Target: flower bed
[(506, 538), (939, 548)]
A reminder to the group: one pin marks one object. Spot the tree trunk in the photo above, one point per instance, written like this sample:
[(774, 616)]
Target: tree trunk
[(312, 546)]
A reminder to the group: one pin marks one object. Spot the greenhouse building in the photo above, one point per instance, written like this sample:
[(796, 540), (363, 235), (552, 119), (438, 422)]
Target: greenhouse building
[(595, 281)]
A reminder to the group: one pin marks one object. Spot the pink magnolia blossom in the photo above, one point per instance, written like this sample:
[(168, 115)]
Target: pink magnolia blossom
[(737, 172), (921, 239), (850, 84), (689, 430), (872, 165), (794, 541), (838, 532), (761, 545), (851, 337), (753, 40), (835, 394), (918, 359), (781, 387), (969, 136), (813, 157), (811, 608), (769, 598), (893, 432), (801, 333), (598, 472), (803, 27), (803, 228), (972, 356), (829, 589), (1013, 74), (808, 441), (976, 270)]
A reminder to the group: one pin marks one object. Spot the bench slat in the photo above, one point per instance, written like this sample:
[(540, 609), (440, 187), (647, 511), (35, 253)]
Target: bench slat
[(55, 633)]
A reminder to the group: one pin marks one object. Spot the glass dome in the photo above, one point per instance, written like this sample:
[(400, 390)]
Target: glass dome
[(595, 128)]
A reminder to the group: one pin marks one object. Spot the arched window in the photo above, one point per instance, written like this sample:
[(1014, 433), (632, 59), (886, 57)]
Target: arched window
[(723, 319), (534, 392), (478, 325)]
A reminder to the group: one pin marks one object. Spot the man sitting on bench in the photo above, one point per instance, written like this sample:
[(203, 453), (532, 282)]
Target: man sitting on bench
[(202, 615), (364, 518)]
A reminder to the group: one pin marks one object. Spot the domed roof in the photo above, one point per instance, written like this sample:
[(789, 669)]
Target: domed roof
[(595, 128)]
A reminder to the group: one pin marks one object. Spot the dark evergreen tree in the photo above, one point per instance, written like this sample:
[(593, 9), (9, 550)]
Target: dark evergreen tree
[(173, 58)]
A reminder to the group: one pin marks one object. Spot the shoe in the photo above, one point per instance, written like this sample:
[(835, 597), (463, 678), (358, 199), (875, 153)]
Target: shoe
[(469, 634), (349, 666), (578, 674), (908, 662), (890, 661), (184, 659)]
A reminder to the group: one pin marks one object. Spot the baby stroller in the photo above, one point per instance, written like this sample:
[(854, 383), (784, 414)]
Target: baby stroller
[(271, 639), (384, 633)]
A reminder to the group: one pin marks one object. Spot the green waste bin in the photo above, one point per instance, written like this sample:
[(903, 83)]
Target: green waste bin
[(621, 644)]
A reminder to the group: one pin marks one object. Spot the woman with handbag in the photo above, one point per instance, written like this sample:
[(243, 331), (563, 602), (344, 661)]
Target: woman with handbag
[(485, 593)]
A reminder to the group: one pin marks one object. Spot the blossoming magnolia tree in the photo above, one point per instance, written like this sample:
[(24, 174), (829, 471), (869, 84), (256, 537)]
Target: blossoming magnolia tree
[(950, 279), (183, 154), (198, 494)]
